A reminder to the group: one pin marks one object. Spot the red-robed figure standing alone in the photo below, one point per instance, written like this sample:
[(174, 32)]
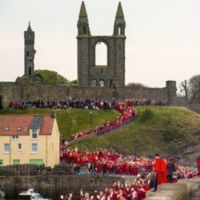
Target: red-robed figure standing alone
[(198, 165), (161, 170)]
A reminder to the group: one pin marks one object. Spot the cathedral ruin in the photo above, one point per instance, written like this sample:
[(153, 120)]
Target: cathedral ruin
[(105, 82)]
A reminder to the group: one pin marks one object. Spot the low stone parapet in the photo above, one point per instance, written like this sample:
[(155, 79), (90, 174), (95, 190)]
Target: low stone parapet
[(186, 189)]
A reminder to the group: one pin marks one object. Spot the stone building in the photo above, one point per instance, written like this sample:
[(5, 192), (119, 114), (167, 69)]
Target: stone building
[(105, 82), (33, 139), (89, 73), (29, 51)]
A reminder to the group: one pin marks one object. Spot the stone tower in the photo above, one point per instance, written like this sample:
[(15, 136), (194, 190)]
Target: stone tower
[(29, 51), (113, 73)]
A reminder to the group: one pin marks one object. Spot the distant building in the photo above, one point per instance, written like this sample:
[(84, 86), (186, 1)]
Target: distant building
[(90, 74), (30, 139), (97, 80), (29, 51)]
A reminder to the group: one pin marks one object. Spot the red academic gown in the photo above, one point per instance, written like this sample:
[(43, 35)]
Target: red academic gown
[(198, 165), (161, 169)]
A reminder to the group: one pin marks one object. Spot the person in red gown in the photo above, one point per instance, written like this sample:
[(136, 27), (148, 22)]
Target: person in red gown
[(198, 165), (161, 171)]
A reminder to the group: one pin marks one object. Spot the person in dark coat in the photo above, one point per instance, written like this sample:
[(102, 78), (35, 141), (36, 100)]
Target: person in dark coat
[(171, 169)]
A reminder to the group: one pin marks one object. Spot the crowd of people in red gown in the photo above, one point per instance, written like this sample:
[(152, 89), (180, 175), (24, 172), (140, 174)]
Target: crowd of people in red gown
[(107, 162), (126, 114), (134, 190)]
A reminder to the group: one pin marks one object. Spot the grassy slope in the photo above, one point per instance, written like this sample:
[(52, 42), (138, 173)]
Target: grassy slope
[(156, 129), (72, 120)]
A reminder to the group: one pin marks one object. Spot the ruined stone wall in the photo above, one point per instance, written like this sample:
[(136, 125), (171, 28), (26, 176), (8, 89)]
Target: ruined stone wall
[(12, 92)]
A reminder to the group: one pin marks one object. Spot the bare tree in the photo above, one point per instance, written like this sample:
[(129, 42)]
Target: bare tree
[(184, 88)]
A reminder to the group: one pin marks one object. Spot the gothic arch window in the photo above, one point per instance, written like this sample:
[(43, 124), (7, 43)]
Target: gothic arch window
[(29, 71), (101, 54), (119, 30), (101, 83), (84, 30)]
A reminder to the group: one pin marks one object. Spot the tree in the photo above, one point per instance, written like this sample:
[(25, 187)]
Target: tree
[(194, 89), (184, 88), (48, 77), (73, 83)]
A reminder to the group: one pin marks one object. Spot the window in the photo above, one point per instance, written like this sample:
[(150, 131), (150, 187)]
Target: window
[(19, 146), (6, 148), (16, 162), (84, 30), (38, 162), (101, 83), (34, 148), (27, 53), (29, 71), (111, 83), (1, 162), (101, 52), (34, 133), (119, 31), (15, 137)]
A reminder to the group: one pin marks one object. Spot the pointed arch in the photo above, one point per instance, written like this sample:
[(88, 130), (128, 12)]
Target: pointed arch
[(101, 54)]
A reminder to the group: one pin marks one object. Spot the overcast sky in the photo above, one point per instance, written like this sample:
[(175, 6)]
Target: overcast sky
[(163, 36)]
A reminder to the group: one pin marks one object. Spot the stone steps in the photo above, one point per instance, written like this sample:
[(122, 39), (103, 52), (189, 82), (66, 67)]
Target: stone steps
[(186, 189)]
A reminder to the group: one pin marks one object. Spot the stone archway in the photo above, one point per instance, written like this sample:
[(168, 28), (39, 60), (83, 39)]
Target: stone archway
[(101, 53)]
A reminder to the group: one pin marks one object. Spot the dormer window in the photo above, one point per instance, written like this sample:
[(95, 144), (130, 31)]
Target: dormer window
[(19, 129), (6, 129), (34, 133)]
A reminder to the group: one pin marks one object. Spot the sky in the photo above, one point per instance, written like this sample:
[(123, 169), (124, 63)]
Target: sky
[(163, 36)]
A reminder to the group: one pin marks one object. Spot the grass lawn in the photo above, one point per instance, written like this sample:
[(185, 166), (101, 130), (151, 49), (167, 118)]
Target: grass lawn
[(163, 129)]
